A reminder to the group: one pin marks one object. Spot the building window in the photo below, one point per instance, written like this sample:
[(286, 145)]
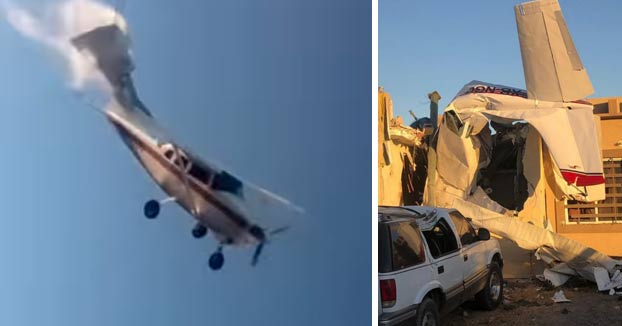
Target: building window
[(603, 212)]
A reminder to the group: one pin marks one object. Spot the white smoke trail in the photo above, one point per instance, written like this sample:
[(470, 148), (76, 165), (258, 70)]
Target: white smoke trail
[(58, 24)]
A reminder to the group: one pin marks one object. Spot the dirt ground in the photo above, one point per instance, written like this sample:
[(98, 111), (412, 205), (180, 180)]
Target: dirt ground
[(529, 302)]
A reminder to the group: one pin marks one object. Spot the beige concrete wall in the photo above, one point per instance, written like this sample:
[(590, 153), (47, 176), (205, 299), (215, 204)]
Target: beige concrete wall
[(519, 263), (609, 243), (390, 176), (611, 134)]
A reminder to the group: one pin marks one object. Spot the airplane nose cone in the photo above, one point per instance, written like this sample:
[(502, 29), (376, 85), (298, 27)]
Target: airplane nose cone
[(257, 232)]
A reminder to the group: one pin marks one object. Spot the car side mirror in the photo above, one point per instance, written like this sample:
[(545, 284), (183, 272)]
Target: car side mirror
[(483, 234)]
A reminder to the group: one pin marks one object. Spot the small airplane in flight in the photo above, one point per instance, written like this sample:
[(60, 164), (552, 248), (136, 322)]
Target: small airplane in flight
[(213, 196)]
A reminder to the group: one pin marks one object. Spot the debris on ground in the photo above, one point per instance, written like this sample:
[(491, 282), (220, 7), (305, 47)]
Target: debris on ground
[(528, 302), (559, 297)]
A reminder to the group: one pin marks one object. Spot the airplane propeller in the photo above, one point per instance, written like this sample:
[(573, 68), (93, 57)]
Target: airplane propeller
[(259, 247), (279, 230)]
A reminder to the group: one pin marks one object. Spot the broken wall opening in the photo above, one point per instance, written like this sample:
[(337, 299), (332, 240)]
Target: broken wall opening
[(503, 179)]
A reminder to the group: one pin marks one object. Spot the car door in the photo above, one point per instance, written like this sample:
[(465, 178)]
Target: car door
[(446, 261), (473, 254)]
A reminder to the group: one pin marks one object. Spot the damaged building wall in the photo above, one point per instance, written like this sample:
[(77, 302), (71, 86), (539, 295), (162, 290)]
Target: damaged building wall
[(494, 157), (399, 182)]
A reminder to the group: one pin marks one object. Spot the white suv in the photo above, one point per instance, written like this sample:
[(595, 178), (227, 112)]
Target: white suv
[(431, 260)]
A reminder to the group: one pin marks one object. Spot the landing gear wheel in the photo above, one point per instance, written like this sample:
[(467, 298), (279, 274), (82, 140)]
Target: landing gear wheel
[(199, 231), (257, 232), (427, 314), (216, 260), (152, 209), (490, 297)]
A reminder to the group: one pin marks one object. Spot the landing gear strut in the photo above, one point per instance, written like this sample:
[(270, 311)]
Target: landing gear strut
[(216, 260), (152, 209), (199, 231)]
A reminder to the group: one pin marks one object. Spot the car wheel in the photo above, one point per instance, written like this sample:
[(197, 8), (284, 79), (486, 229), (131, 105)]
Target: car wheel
[(490, 297), (427, 314)]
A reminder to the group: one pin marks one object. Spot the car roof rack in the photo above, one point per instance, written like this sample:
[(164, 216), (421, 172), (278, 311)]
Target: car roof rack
[(406, 213)]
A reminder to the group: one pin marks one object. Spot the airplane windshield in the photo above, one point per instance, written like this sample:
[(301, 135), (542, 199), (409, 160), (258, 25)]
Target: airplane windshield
[(224, 181), (200, 173)]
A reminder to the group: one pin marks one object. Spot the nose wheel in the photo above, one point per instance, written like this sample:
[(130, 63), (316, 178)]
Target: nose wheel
[(199, 231), (216, 260), (152, 209)]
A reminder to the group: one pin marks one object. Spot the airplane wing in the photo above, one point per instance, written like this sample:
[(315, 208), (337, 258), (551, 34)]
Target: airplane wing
[(272, 198), (553, 69), (251, 195)]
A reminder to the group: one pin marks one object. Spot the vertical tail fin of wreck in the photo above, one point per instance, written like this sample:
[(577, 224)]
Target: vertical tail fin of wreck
[(553, 69)]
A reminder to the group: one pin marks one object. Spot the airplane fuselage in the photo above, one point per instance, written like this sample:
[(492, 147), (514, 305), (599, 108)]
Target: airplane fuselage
[(219, 211)]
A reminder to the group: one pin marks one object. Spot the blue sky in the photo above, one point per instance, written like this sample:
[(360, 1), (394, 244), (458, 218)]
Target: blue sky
[(442, 45), (277, 90)]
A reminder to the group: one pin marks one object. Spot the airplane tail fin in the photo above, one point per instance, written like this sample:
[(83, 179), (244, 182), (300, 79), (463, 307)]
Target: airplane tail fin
[(553, 69), (111, 48)]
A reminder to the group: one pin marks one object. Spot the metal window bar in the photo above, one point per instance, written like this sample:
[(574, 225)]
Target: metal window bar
[(608, 211)]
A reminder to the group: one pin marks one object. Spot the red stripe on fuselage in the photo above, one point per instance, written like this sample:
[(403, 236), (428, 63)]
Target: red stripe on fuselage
[(582, 179)]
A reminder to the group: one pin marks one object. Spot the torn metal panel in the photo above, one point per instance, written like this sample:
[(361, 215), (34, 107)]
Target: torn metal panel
[(568, 130), (602, 278), (556, 279), (605, 283)]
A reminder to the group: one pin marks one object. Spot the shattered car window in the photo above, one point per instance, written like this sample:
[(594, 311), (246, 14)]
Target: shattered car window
[(441, 239)]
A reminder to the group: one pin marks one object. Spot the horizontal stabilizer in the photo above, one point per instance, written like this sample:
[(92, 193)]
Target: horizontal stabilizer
[(553, 69), (110, 47)]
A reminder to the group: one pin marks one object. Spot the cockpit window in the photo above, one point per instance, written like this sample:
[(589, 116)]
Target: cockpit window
[(182, 162), (169, 154), (200, 173), (224, 181)]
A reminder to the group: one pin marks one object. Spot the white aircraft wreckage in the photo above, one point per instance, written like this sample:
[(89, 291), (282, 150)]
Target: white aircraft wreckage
[(217, 199), (498, 147)]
